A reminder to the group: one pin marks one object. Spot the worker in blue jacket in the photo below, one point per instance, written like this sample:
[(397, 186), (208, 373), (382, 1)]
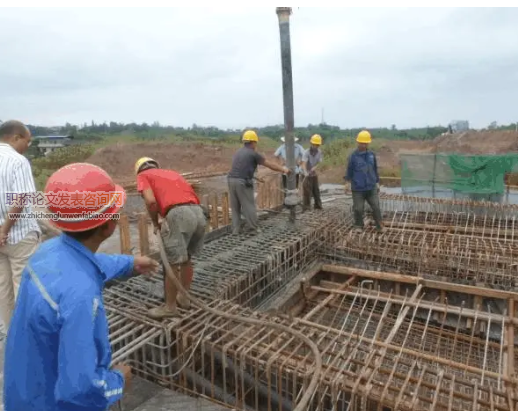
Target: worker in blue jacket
[(362, 175), (57, 352)]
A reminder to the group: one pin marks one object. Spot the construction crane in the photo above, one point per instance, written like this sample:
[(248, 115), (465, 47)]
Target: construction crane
[(291, 199)]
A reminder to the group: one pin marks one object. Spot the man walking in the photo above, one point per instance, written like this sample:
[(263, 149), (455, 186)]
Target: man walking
[(57, 352), (311, 159), (19, 238), (241, 181), (362, 175), (280, 154), (168, 195)]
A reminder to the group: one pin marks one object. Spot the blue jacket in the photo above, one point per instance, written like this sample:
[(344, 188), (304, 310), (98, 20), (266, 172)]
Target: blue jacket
[(362, 171), (57, 353)]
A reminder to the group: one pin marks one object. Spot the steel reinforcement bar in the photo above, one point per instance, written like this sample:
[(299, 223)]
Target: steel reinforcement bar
[(458, 258), (374, 355), (392, 202)]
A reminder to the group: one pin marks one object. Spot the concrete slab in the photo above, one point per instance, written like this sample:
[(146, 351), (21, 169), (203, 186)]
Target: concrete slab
[(141, 391), (167, 400)]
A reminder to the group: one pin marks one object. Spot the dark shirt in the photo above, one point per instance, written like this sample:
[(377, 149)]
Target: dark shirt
[(245, 163), (362, 171)]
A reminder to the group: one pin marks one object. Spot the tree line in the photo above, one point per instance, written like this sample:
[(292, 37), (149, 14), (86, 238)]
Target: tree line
[(94, 131)]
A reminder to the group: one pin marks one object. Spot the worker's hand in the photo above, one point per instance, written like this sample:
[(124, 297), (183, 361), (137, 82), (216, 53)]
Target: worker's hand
[(125, 370), (347, 187), (3, 236), (286, 170), (157, 228), (378, 187), (145, 265)]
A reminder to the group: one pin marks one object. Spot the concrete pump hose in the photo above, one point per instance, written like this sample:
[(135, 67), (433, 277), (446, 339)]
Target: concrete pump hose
[(306, 398)]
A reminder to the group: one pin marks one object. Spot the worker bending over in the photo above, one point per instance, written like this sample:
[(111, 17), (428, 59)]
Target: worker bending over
[(241, 181), (280, 154), (310, 161), (57, 352), (362, 175), (168, 195)]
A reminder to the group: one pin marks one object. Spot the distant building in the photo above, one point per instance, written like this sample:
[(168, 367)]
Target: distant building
[(47, 144), (458, 126)]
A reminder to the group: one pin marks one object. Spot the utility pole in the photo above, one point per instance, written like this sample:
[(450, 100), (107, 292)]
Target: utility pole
[(291, 199)]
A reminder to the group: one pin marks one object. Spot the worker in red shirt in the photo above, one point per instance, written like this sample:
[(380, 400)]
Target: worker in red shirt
[(168, 195)]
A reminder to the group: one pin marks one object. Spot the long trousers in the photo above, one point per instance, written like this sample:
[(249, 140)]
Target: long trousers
[(359, 198), (13, 259), (311, 188), (242, 202)]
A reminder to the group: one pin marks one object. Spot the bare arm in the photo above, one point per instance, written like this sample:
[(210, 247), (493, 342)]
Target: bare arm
[(275, 167), (151, 205)]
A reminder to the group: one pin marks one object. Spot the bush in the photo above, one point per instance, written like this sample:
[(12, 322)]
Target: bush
[(43, 167)]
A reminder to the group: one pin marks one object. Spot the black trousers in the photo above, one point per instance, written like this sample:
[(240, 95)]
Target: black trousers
[(311, 189)]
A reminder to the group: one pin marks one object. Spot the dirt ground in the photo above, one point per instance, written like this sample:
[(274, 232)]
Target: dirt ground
[(118, 160)]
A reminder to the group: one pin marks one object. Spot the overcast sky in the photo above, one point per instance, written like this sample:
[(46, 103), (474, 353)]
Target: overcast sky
[(365, 67)]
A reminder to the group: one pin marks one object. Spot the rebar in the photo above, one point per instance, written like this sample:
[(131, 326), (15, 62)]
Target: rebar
[(386, 340)]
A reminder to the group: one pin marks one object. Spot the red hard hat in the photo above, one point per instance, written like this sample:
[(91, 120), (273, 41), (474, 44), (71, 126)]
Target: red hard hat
[(86, 193)]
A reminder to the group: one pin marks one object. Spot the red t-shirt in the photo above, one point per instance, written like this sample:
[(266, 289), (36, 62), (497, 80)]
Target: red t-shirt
[(169, 188)]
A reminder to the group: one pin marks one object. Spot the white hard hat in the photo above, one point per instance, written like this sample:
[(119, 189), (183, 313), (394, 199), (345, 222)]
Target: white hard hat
[(296, 139)]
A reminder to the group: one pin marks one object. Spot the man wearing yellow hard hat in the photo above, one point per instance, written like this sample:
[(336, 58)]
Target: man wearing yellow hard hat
[(241, 181), (362, 175), (310, 160)]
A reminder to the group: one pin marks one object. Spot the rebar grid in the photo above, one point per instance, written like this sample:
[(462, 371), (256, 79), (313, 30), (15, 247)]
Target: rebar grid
[(380, 348), (459, 258), (394, 202), (265, 368), (375, 314), (467, 224)]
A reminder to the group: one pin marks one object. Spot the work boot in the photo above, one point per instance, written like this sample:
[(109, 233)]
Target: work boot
[(162, 312), (183, 302), (380, 228)]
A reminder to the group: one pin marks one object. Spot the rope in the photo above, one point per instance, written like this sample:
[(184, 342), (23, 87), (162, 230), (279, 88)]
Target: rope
[(304, 401)]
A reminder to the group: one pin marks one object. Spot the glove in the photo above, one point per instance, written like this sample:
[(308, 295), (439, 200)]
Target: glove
[(378, 187)]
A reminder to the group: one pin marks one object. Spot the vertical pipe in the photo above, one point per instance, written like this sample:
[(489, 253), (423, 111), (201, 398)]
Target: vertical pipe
[(283, 13)]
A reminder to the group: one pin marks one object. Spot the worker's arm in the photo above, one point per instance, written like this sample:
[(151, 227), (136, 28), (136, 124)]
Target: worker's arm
[(276, 167), (82, 383), (376, 169), (349, 170), (145, 190), (261, 160), (304, 165), (114, 265)]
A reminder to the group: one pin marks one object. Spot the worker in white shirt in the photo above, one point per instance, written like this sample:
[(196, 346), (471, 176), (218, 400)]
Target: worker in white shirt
[(19, 238), (280, 154)]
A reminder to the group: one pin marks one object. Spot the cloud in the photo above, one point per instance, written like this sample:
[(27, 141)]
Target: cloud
[(365, 67)]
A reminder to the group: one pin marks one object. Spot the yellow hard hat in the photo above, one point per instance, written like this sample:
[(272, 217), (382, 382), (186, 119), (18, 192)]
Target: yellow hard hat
[(141, 161), (316, 139), (364, 137), (250, 135)]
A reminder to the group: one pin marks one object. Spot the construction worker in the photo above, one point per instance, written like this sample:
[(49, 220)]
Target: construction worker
[(57, 352), (19, 238), (169, 196), (280, 154), (363, 180), (241, 181), (310, 188)]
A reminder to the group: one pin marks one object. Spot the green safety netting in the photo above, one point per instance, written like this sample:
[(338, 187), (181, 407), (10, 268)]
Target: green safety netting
[(464, 174)]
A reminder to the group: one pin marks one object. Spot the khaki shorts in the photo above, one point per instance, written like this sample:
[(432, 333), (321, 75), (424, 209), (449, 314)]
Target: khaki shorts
[(185, 233)]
